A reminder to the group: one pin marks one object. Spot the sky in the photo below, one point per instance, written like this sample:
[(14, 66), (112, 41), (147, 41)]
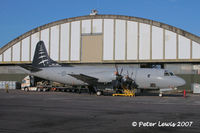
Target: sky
[(20, 16)]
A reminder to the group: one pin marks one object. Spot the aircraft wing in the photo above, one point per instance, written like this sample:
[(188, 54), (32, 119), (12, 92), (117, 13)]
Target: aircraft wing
[(87, 79)]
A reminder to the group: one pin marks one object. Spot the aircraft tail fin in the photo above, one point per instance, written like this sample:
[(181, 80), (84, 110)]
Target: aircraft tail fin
[(41, 57)]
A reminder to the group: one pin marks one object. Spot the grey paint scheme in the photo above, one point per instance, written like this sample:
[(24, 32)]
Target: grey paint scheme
[(105, 74), (43, 66)]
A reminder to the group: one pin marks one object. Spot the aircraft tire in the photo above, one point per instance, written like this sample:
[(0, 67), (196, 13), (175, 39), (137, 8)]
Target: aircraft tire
[(26, 89), (38, 89), (99, 93)]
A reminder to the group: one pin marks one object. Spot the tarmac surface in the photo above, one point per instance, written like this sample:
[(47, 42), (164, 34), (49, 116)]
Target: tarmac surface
[(61, 112)]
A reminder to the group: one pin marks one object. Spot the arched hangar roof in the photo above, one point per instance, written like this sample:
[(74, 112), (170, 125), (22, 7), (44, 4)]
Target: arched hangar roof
[(121, 39)]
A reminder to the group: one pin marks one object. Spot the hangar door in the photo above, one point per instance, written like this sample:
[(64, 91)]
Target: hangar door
[(92, 48)]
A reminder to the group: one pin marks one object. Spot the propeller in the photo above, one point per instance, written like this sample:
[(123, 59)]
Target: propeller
[(129, 81), (117, 83), (117, 70), (121, 81)]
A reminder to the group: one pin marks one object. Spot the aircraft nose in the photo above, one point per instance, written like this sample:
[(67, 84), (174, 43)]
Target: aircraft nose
[(181, 82)]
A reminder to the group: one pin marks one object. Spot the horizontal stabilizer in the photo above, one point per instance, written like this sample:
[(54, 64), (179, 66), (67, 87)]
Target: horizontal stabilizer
[(31, 68)]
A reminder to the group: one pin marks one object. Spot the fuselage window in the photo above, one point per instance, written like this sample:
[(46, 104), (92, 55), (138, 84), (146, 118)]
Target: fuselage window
[(149, 75), (166, 74)]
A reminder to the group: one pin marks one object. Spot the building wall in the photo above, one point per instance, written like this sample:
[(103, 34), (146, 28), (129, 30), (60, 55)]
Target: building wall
[(123, 41)]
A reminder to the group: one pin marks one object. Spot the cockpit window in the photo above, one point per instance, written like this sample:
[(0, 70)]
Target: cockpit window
[(166, 74), (171, 73)]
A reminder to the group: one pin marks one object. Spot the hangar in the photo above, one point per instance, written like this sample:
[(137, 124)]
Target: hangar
[(107, 39)]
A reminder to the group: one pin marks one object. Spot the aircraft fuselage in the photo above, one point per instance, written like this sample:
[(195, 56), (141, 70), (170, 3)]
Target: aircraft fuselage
[(144, 77)]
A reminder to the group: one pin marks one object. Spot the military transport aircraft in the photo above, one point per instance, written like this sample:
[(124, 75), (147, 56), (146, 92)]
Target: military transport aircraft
[(99, 76)]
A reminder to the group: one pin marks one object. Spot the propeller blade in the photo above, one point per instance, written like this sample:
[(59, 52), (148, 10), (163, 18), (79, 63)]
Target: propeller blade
[(116, 67), (121, 71), (132, 75), (127, 73)]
